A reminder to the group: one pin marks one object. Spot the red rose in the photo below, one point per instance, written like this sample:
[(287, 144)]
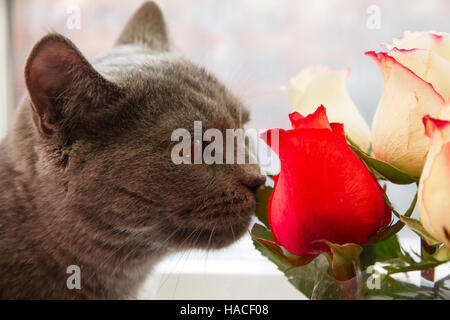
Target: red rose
[(323, 191)]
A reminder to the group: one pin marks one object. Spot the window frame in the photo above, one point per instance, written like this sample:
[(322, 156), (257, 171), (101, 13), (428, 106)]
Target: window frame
[(5, 66)]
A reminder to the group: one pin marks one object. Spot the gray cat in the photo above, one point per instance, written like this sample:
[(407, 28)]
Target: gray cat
[(86, 176)]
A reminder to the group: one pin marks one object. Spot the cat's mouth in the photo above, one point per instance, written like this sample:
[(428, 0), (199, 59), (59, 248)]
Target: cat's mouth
[(223, 224), (219, 236)]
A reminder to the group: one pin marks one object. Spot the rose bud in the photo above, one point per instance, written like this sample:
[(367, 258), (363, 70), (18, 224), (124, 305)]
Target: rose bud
[(416, 76), (318, 85), (323, 191), (434, 185)]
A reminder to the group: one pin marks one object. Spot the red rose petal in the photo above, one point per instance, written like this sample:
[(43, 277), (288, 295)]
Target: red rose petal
[(323, 191), (317, 120)]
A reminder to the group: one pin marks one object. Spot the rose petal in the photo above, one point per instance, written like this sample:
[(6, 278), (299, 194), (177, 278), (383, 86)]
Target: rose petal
[(438, 42), (338, 129), (428, 65), (397, 130), (439, 126), (434, 186), (319, 85), (323, 192), (317, 120)]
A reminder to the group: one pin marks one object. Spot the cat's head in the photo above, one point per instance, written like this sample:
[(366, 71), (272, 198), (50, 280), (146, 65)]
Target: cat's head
[(104, 139)]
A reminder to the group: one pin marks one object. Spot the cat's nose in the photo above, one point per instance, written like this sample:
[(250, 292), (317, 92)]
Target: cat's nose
[(253, 180)]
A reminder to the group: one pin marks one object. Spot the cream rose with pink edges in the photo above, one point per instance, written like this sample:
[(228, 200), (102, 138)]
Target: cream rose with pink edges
[(434, 186), (320, 85), (416, 77)]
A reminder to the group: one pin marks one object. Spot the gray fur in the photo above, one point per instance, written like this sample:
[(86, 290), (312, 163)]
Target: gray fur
[(85, 173)]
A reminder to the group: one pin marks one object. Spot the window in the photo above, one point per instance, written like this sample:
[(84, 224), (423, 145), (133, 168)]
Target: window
[(5, 64), (254, 46)]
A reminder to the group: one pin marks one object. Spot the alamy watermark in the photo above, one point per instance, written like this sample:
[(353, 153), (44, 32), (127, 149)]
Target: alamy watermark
[(214, 146), (74, 19), (74, 280), (374, 17), (373, 282)]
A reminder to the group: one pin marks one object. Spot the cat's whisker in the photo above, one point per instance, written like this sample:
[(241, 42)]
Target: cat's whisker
[(178, 276), (118, 265), (232, 232), (192, 245), (210, 237), (106, 261), (124, 259), (166, 241), (177, 249)]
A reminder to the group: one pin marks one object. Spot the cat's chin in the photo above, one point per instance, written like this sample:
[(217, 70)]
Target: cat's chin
[(220, 236), (228, 230), (224, 231), (216, 227), (227, 235)]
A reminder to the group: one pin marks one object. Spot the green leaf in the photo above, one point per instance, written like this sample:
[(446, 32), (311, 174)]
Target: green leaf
[(405, 263), (262, 200), (388, 249), (344, 259), (309, 275), (275, 252), (260, 231), (314, 280), (416, 226), (273, 255), (442, 254), (368, 256), (399, 268), (391, 288), (386, 170), (348, 251), (387, 232)]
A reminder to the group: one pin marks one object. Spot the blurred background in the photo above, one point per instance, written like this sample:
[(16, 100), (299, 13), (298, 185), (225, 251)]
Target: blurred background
[(255, 47)]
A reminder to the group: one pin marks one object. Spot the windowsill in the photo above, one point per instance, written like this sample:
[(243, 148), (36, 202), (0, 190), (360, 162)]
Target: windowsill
[(235, 273)]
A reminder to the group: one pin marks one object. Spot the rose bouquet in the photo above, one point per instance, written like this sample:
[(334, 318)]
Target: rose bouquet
[(326, 220)]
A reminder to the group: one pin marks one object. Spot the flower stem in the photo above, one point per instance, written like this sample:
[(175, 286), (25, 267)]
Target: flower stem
[(427, 274), (390, 231), (350, 289)]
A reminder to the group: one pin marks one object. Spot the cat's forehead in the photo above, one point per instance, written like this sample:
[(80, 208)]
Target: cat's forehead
[(167, 85), (167, 81)]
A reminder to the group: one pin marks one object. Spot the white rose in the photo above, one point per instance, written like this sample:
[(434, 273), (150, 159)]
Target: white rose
[(416, 76), (320, 85), (434, 185)]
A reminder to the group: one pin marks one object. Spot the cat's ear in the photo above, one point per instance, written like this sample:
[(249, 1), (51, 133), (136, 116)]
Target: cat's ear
[(147, 28), (64, 88)]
